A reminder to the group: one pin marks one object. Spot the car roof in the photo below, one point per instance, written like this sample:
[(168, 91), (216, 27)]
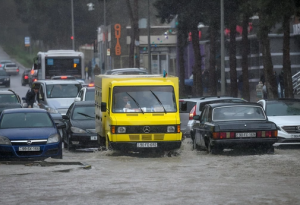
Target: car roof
[(6, 92), (215, 105), (24, 110), (11, 64), (282, 99), (84, 103), (117, 70), (54, 82)]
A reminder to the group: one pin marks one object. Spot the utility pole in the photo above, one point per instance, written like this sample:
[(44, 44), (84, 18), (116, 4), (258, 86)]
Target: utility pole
[(105, 36), (149, 47), (73, 35), (222, 50)]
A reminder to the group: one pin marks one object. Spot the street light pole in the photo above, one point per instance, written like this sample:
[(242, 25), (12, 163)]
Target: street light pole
[(73, 36), (222, 50), (105, 37), (149, 47)]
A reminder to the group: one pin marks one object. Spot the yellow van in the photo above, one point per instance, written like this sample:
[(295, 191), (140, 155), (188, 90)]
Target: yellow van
[(137, 112)]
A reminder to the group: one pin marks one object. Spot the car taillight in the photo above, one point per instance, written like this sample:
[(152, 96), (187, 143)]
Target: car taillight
[(25, 77), (192, 113), (32, 72), (34, 80), (267, 134), (63, 77), (91, 85), (18, 70), (223, 135)]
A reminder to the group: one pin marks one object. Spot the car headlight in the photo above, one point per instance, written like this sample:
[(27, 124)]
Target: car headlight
[(53, 139), (4, 140), (171, 129), (121, 129), (51, 110), (6, 79), (77, 130)]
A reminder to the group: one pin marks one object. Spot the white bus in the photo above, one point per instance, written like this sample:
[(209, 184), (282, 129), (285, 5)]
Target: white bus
[(59, 63)]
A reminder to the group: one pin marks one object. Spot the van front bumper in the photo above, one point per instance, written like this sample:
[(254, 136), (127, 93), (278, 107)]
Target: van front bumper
[(133, 146)]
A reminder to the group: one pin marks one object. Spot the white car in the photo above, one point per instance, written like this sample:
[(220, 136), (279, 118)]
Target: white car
[(11, 68), (86, 94), (285, 113)]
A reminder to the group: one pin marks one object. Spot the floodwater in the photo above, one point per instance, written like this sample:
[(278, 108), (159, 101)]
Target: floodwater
[(190, 177)]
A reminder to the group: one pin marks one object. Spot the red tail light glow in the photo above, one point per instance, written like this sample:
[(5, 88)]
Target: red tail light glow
[(192, 113), (91, 85), (63, 77), (26, 77), (34, 80), (32, 72)]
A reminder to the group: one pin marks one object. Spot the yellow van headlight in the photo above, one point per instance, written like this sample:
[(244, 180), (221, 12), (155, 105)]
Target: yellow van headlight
[(171, 129), (121, 129)]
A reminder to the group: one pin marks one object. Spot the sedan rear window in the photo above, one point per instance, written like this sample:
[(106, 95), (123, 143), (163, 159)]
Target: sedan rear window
[(25, 120), (240, 112)]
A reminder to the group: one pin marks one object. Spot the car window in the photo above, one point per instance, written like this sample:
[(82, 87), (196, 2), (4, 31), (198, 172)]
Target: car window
[(90, 95), (25, 120), (282, 108), (83, 113), (8, 98), (240, 112), (202, 104), (186, 106), (204, 115), (62, 90)]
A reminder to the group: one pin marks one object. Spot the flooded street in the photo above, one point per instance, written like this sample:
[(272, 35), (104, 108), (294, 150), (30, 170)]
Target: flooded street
[(192, 177)]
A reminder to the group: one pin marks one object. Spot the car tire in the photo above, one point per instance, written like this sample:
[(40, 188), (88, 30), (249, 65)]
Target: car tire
[(213, 149)]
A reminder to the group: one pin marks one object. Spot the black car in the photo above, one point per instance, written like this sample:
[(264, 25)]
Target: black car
[(80, 129), (234, 125), (25, 77), (4, 78)]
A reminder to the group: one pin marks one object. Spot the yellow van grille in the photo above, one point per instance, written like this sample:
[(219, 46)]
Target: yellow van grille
[(159, 137), (146, 137), (134, 137)]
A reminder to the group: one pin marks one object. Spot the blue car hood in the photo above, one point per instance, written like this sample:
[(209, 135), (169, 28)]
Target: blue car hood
[(28, 133)]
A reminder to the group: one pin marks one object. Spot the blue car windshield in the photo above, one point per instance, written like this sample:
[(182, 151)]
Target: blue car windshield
[(25, 120)]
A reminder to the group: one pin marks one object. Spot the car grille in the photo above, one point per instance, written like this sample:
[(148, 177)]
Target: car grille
[(291, 129), (30, 153), (25, 142), (146, 137)]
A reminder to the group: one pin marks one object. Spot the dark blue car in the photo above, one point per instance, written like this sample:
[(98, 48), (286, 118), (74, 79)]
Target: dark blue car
[(29, 133)]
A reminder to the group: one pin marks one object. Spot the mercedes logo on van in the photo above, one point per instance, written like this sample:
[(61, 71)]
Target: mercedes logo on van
[(29, 142), (146, 129)]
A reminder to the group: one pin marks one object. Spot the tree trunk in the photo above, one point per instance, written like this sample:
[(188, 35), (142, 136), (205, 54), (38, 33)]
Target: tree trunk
[(287, 73), (232, 58), (212, 62), (268, 66), (180, 43), (197, 66), (245, 51), (136, 31)]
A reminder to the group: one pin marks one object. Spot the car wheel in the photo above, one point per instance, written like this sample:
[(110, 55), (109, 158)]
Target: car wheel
[(69, 143)]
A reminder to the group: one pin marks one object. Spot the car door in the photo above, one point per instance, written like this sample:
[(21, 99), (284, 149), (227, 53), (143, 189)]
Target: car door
[(67, 120), (199, 129), (42, 96)]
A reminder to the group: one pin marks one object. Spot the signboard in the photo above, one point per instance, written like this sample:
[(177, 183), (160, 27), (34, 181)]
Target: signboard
[(108, 52), (27, 41), (296, 29)]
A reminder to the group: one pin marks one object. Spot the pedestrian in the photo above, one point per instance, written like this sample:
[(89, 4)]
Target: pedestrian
[(205, 80), (265, 92), (32, 96), (281, 84), (97, 70), (87, 72), (259, 90)]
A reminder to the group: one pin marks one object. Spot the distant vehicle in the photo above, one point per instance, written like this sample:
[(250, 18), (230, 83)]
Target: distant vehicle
[(59, 63), (3, 62), (86, 94), (11, 68), (9, 96), (4, 106), (25, 77), (80, 126), (286, 114), (32, 77), (67, 77), (193, 106), (4, 78), (56, 96), (126, 71), (234, 125), (28, 133)]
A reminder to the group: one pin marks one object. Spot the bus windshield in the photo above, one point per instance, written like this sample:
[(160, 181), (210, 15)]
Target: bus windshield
[(57, 66)]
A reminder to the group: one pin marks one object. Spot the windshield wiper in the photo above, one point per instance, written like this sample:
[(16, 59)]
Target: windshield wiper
[(159, 101), (135, 102), (80, 113)]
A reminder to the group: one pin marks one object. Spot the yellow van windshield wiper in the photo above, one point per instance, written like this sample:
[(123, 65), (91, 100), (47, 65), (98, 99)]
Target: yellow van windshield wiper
[(135, 102), (158, 101)]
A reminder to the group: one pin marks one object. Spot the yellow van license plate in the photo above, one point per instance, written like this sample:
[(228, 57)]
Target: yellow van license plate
[(151, 144)]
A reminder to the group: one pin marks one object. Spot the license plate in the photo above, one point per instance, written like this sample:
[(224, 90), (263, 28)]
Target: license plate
[(295, 136), (152, 144), (93, 137), (246, 134), (26, 149)]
